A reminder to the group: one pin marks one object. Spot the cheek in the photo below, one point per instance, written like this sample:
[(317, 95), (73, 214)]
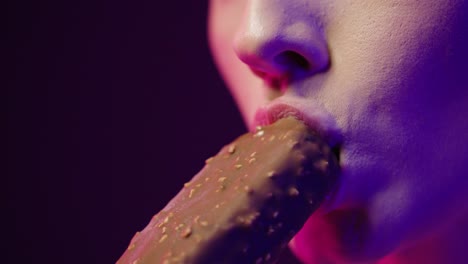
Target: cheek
[(247, 90), (395, 93)]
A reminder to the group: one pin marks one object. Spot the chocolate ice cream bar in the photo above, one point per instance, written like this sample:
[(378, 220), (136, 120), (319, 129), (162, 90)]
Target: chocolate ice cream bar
[(247, 202)]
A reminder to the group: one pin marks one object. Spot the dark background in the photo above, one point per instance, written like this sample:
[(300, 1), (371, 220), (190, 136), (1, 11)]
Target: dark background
[(111, 107)]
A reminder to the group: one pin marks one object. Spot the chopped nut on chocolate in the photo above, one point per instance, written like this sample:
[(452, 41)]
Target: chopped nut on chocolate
[(163, 238), (292, 191), (187, 232), (232, 149), (222, 179)]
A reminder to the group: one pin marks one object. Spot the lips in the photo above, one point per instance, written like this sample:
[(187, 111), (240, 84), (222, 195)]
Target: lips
[(312, 114)]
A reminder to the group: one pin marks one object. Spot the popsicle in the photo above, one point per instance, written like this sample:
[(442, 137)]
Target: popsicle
[(247, 202)]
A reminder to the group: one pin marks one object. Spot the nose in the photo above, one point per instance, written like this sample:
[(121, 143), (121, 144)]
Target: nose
[(280, 39)]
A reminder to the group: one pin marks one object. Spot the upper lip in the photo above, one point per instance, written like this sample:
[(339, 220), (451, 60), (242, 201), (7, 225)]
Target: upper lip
[(311, 113)]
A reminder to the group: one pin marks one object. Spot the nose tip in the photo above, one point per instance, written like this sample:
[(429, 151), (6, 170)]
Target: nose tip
[(277, 47)]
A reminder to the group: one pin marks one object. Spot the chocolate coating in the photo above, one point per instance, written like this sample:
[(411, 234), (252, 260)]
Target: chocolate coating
[(245, 204)]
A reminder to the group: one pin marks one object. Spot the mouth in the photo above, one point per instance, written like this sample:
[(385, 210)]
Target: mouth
[(313, 115)]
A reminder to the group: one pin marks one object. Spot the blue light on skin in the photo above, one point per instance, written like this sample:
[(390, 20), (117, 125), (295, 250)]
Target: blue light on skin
[(390, 78)]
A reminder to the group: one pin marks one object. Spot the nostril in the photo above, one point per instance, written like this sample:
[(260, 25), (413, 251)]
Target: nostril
[(292, 60)]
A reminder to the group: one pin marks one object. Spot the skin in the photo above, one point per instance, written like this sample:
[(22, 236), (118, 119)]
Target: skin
[(391, 74)]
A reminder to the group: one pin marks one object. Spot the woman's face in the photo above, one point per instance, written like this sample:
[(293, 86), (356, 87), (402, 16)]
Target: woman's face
[(386, 82)]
